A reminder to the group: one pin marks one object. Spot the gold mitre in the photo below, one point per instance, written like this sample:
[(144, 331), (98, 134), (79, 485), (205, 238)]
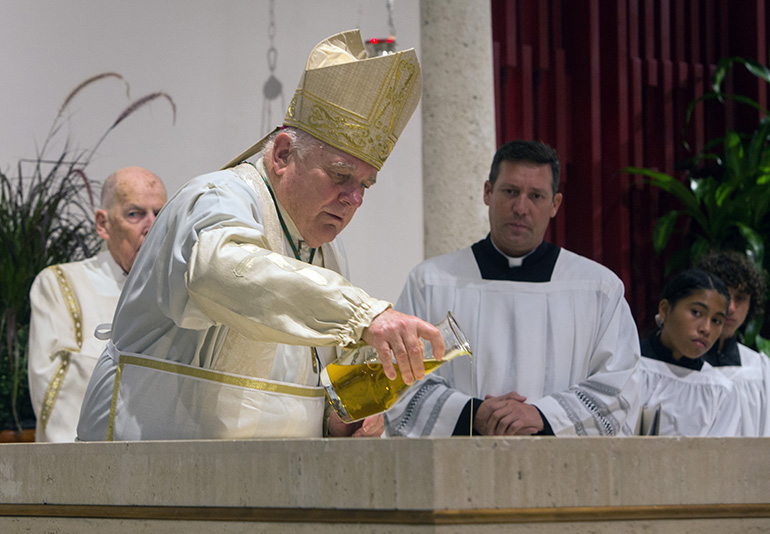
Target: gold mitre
[(355, 103)]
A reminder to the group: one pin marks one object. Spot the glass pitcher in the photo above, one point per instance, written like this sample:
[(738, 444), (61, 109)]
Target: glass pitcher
[(357, 387)]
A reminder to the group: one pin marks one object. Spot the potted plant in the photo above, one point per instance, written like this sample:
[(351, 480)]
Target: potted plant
[(46, 218), (724, 197)]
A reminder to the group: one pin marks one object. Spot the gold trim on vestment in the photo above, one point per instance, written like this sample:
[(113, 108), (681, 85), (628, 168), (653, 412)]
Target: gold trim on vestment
[(204, 374), (222, 378), (73, 306), (114, 403), (52, 391)]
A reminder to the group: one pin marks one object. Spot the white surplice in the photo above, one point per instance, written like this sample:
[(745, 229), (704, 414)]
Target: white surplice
[(569, 344), (692, 402), (751, 379), (68, 302), (213, 331)]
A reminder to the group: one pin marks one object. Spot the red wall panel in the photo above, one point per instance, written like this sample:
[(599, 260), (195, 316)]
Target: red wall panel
[(607, 84)]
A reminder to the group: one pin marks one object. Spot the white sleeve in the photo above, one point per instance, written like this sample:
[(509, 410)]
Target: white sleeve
[(607, 402), (430, 407), (264, 295), (51, 330), (232, 277), (727, 422), (764, 397)]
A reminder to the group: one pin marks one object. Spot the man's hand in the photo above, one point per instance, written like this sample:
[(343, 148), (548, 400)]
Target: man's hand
[(371, 427), (507, 415), (396, 332)]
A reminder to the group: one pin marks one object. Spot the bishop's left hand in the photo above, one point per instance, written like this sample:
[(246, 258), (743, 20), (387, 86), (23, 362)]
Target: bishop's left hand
[(371, 427)]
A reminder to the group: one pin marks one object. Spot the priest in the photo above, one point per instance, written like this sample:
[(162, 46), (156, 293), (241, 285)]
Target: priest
[(555, 348), (70, 300)]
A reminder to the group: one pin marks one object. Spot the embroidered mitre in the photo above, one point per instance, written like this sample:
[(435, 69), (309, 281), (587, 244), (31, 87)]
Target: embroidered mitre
[(355, 103)]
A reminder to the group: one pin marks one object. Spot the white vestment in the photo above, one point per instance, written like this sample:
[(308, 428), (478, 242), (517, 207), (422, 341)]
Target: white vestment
[(692, 402), (213, 331), (68, 302), (750, 374), (566, 341)]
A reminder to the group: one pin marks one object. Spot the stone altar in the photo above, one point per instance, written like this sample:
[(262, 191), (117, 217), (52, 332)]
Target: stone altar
[(451, 485)]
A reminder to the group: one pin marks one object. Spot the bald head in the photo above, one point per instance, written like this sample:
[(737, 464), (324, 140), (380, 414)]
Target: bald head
[(123, 181), (131, 198)]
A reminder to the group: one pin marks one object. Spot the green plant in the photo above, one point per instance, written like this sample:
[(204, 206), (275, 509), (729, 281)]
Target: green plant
[(724, 194), (725, 209), (46, 218), (726, 202)]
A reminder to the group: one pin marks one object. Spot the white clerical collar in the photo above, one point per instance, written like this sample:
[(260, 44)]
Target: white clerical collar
[(513, 262)]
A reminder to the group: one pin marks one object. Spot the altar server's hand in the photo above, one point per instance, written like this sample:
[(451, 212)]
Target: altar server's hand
[(371, 427), (396, 332), (507, 415)]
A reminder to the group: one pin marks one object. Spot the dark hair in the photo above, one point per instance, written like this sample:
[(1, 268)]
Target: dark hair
[(688, 282), (530, 151), (738, 273)]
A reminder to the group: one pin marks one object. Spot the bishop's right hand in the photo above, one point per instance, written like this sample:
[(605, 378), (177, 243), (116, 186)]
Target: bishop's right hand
[(399, 334)]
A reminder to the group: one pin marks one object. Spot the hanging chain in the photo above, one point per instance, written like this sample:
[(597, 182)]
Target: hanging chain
[(389, 4), (272, 53), (273, 88)]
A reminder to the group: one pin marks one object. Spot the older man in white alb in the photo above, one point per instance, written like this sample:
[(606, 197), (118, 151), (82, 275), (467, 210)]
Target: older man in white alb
[(239, 298), (70, 300)]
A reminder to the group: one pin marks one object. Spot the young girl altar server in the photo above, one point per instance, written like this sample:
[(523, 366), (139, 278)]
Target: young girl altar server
[(694, 398)]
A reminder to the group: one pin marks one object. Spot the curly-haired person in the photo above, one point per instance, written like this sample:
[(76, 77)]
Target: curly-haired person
[(749, 370)]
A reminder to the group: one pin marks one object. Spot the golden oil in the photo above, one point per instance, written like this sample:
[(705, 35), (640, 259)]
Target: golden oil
[(363, 389)]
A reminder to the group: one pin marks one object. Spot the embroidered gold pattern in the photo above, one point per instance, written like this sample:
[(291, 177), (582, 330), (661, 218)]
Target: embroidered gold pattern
[(73, 306), (370, 138)]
